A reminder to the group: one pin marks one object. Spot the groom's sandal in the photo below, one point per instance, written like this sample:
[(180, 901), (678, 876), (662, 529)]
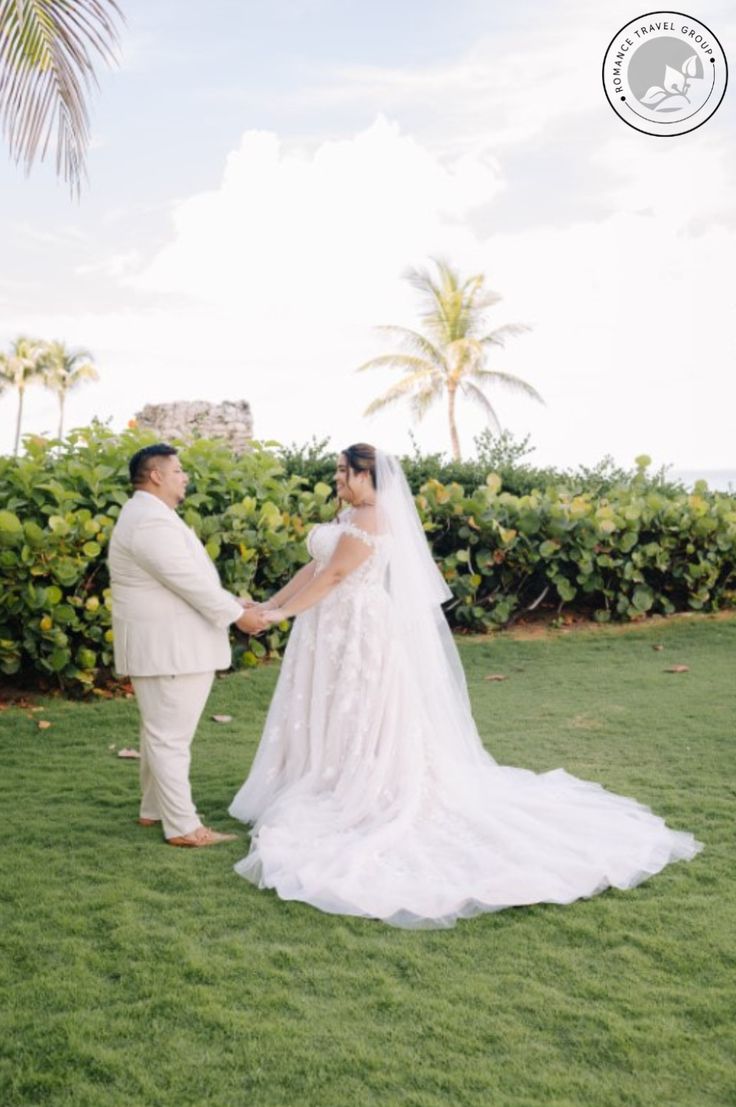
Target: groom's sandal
[(202, 836), (148, 822)]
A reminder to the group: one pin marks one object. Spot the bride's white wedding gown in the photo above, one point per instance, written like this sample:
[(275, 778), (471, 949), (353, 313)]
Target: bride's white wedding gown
[(362, 808)]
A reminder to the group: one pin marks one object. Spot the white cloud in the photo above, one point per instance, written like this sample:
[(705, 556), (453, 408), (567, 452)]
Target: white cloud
[(352, 212), (686, 185), (116, 266), (39, 236)]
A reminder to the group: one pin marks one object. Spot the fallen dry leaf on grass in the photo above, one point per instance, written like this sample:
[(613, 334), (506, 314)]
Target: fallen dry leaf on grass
[(496, 676), (222, 718), (132, 754), (677, 669), (657, 647), (43, 724)]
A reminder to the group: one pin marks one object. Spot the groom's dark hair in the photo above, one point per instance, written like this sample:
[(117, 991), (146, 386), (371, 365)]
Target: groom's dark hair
[(143, 461)]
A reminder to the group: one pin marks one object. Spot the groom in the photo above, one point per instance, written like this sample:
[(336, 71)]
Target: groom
[(170, 617)]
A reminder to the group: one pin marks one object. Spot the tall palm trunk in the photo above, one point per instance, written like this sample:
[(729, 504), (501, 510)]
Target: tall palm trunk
[(19, 419), (62, 398), (454, 439)]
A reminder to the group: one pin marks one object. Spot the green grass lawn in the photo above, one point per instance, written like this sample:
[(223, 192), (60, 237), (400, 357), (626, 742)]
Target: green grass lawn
[(136, 975)]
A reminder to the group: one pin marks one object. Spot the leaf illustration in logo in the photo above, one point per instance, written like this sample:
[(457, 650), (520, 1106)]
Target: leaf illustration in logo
[(653, 95), (690, 66), (673, 80), (673, 103)]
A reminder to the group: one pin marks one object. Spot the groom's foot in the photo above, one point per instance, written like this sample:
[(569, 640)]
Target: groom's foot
[(142, 821), (202, 836)]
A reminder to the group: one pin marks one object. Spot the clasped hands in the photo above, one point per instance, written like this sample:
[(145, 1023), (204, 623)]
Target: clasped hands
[(257, 618)]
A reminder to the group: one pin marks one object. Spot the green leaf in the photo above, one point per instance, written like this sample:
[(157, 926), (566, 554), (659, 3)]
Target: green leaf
[(66, 571), (86, 658), (58, 659), (64, 613), (92, 549), (270, 516), (11, 529), (35, 535), (643, 598), (529, 522), (565, 589)]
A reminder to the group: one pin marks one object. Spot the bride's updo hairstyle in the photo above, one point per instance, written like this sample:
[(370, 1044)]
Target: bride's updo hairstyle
[(361, 458)]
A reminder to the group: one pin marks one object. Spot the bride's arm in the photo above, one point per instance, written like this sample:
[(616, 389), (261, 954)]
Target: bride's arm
[(297, 582), (349, 554)]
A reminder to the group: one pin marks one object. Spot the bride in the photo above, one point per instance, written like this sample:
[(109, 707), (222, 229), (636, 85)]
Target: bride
[(371, 793)]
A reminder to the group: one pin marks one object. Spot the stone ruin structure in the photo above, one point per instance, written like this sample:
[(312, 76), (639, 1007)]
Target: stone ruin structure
[(231, 421)]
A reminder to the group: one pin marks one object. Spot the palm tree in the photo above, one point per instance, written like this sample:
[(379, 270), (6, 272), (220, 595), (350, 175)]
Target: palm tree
[(64, 370), (450, 355), (46, 73), (18, 369)]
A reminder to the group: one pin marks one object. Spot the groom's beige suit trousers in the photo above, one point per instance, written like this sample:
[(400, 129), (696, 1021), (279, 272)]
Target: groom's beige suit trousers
[(170, 618), (170, 709)]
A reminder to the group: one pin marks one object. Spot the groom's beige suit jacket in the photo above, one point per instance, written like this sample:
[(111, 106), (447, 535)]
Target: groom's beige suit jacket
[(170, 613)]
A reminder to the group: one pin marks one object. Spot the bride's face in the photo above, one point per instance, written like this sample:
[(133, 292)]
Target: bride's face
[(342, 479), (349, 485)]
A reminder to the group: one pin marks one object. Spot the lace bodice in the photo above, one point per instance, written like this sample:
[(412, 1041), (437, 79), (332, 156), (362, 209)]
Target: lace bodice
[(323, 539)]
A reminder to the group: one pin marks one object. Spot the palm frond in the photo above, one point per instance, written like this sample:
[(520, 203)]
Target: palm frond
[(403, 388), (510, 381), (474, 393), (424, 399), (422, 280), (46, 73), (477, 299), (405, 362), (22, 365), (454, 308), (81, 373), (66, 380), (414, 341), (484, 298), (465, 301), (439, 311), (498, 336), (65, 369)]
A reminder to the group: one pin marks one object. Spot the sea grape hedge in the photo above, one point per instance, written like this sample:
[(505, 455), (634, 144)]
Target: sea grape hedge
[(634, 550)]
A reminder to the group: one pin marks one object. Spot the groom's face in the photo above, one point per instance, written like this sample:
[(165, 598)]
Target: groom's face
[(172, 480)]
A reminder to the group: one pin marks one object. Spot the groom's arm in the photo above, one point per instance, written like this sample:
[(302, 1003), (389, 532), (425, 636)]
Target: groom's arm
[(162, 550)]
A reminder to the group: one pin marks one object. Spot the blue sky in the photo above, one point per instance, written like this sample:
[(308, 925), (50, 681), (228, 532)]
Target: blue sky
[(261, 174)]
